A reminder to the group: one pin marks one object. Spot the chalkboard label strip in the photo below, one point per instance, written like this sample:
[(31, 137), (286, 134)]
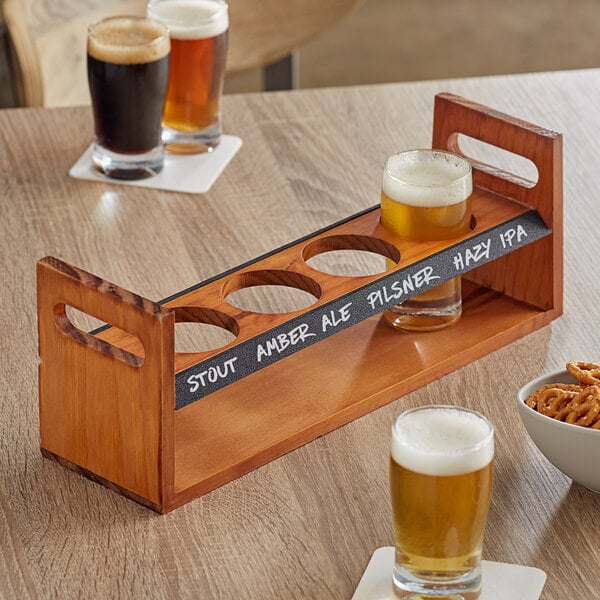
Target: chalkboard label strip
[(216, 372)]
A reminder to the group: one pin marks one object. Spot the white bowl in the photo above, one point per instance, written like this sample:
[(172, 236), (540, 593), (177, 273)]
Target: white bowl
[(573, 449)]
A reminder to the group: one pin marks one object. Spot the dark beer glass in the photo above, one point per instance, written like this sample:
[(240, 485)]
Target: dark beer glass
[(128, 74)]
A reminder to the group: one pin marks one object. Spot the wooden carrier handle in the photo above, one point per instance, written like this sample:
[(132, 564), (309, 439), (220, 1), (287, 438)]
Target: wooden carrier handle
[(533, 274), (454, 115), (103, 409), (94, 296)]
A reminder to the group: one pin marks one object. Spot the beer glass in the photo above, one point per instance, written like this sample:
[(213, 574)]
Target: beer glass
[(441, 482), (426, 195), (128, 70), (198, 30)]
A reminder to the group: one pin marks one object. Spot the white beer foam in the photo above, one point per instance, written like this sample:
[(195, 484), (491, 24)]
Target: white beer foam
[(427, 179), (128, 40), (442, 441), (191, 19)]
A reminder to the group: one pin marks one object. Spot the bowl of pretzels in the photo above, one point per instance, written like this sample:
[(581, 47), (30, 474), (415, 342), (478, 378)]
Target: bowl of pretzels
[(561, 412)]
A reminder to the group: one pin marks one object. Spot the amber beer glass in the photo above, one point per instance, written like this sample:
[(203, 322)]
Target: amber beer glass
[(128, 71), (198, 30), (441, 482), (426, 195)]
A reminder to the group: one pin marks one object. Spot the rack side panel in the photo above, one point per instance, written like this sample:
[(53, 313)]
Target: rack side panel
[(534, 273), (101, 407)]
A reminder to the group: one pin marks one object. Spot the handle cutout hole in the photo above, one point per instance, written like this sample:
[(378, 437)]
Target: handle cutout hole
[(271, 291), (492, 156), (199, 329), (83, 320), (111, 340)]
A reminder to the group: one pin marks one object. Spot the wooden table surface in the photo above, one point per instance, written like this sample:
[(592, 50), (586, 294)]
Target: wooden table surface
[(304, 525)]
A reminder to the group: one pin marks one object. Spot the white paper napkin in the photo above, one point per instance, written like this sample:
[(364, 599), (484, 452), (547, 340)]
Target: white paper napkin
[(500, 581), (190, 173)]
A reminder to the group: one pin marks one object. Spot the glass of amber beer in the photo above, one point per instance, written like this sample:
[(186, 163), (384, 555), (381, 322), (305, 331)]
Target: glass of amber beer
[(128, 74), (426, 196), (441, 482), (198, 30)]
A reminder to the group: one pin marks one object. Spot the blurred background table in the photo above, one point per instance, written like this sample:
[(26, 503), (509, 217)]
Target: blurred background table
[(305, 525)]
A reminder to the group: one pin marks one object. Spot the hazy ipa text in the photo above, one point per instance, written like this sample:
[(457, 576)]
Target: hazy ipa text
[(426, 196), (128, 68), (198, 30), (440, 481)]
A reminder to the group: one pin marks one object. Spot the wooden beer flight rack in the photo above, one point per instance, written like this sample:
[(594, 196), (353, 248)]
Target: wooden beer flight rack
[(120, 406)]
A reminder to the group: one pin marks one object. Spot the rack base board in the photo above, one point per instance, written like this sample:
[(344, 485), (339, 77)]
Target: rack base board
[(385, 365), (71, 466), (381, 366)]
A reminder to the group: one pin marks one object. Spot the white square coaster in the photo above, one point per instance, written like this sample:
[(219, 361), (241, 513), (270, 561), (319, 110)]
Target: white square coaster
[(190, 173), (501, 581)]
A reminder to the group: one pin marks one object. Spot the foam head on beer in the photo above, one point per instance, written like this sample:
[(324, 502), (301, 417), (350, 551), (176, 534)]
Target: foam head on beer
[(191, 19), (128, 41), (442, 441), (427, 179)]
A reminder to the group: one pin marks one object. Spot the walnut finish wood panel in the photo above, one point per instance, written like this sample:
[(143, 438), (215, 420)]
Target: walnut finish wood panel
[(288, 268), (73, 379), (103, 408), (216, 437), (541, 281), (305, 525)]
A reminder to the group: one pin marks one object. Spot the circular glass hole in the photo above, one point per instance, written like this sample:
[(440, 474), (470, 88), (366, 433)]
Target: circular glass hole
[(199, 329), (271, 291), (200, 337), (351, 255), (271, 299), (349, 263)]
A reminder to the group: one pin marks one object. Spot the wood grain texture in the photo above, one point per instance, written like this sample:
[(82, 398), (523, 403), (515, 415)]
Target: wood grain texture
[(305, 525), (216, 440), (49, 38), (288, 268), (102, 408), (536, 271)]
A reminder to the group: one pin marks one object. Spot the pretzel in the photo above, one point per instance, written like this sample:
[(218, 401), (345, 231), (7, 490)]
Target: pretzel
[(584, 409), (552, 397), (577, 404), (588, 373)]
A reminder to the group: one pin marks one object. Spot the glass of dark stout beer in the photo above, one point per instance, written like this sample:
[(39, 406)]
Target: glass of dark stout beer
[(128, 74), (198, 30)]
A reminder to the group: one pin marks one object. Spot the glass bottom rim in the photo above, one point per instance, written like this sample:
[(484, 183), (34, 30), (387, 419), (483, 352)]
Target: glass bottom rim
[(434, 584), (127, 166), (178, 141)]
